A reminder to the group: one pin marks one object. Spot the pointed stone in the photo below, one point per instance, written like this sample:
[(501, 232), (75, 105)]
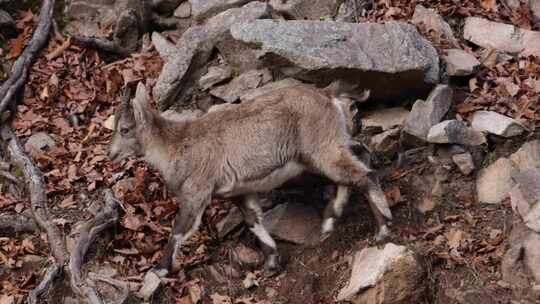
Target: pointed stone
[(460, 63), (497, 124)]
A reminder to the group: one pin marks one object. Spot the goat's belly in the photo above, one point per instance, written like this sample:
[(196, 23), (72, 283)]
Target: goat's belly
[(263, 184)]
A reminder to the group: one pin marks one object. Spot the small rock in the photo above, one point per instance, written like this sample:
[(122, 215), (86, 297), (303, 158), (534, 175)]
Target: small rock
[(203, 9), (306, 9), (253, 94), (250, 281), (432, 21), (185, 115), (426, 114), (215, 75), (460, 63), (164, 47), (455, 132), (464, 162), (528, 156), (183, 10), (293, 222), (386, 143), (39, 142), (151, 283), (388, 275), (232, 91), (232, 220), (247, 256), (494, 183), (494, 233), (109, 123), (384, 119), (495, 123), (426, 205), (534, 5), (502, 37)]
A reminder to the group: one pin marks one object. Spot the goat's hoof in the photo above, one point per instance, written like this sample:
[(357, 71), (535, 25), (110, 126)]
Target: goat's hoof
[(383, 234), (272, 265)]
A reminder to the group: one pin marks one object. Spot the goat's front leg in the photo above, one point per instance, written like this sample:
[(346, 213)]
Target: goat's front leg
[(252, 212), (187, 221), (334, 210)]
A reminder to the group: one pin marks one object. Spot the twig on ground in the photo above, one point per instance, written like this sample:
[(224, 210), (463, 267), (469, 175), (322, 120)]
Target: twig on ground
[(15, 83)]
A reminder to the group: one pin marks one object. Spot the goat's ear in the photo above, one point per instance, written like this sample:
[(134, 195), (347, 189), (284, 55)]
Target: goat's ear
[(141, 105)]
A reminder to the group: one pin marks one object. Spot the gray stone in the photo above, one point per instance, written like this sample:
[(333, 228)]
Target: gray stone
[(528, 156), (203, 9), (393, 53), (432, 21), (5, 20), (502, 37), (165, 48), (426, 114), (464, 162), (39, 142), (293, 222), (386, 143), (459, 62), (246, 256), (150, 285), (252, 94), (232, 91), (384, 119), (455, 132), (232, 220), (534, 5), (194, 49), (383, 276), (183, 10), (306, 9), (494, 183), (495, 123), (215, 75)]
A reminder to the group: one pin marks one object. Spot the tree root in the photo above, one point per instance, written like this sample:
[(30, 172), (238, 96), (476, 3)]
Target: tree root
[(63, 263), (101, 44), (17, 223), (11, 87)]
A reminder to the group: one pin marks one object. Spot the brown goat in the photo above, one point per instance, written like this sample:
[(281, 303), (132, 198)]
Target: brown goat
[(241, 151)]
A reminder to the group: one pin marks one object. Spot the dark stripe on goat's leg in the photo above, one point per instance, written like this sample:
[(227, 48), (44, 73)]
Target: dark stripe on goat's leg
[(253, 217)]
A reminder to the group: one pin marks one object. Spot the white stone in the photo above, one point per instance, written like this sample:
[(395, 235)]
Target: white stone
[(183, 10), (432, 21), (39, 142), (109, 123), (459, 62), (465, 163), (495, 123), (151, 283), (502, 37), (494, 183), (385, 119), (455, 132), (528, 156)]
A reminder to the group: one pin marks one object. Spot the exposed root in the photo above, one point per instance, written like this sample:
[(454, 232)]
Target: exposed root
[(120, 285), (53, 272), (11, 87), (102, 44), (17, 223), (107, 217)]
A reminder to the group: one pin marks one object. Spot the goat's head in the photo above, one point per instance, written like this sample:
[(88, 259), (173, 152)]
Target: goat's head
[(129, 118)]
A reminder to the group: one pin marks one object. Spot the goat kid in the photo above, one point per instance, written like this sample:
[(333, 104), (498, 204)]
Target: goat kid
[(240, 152)]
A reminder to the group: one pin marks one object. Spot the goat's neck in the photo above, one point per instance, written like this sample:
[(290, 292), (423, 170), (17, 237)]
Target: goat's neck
[(156, 141)]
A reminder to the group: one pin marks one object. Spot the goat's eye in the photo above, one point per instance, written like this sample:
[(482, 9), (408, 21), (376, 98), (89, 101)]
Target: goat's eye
[(124, 131)]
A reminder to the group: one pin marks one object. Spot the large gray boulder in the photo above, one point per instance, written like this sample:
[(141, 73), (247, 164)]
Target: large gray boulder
[(195, 47), (392, 53)]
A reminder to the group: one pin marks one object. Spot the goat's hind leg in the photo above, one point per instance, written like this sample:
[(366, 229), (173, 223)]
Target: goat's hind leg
[(333, 210), (252, 212), (341, 166)]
